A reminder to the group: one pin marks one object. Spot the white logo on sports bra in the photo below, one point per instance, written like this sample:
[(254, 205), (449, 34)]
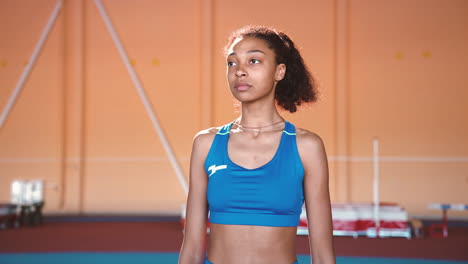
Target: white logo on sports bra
[(214, 168)]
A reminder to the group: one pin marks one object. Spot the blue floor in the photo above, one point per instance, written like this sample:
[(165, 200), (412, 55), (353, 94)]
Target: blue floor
[(170, 258)]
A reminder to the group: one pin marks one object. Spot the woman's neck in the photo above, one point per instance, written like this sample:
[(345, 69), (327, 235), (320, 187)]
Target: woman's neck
[(259, 115)]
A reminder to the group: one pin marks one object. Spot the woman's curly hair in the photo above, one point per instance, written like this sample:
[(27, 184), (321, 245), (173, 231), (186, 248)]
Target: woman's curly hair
[(298, 85)]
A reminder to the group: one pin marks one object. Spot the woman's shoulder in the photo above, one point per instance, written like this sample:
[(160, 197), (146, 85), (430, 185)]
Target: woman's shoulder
[(311, 148), (309, 144), (308, 138), (202, 142), (206, 136)]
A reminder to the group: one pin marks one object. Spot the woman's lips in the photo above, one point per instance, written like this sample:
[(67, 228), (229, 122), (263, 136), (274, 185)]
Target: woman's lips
[(242, 87)]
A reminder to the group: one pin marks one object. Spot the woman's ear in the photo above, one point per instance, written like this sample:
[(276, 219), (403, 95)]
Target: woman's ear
[(280, 72)]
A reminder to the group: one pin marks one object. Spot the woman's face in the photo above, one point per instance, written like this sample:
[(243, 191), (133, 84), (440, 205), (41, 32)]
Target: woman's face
[(252, 72)]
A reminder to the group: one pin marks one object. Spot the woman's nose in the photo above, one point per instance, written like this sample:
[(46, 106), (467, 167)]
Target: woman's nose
[(240, 72)]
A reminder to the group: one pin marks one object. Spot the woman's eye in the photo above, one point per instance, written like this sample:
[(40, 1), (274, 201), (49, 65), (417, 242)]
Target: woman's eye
[(230, 63), (254, 61)]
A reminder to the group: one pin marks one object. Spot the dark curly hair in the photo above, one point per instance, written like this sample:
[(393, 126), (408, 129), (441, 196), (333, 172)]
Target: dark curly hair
[(298, 86)]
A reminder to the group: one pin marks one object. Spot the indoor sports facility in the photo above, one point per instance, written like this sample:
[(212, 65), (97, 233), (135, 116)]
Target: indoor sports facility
[(100, 101)]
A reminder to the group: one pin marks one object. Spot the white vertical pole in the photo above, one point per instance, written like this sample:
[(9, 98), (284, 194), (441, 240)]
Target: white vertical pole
[(144, 98), (31, 62), (376, 186)]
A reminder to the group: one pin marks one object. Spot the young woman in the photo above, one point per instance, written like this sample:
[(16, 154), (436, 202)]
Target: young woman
[(254, 174)]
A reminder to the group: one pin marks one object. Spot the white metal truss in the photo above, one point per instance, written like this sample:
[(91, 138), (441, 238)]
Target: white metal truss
[(139, 87), (27, 70)]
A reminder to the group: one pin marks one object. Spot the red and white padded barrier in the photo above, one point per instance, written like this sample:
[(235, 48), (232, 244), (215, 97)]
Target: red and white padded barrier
[(358, 220)]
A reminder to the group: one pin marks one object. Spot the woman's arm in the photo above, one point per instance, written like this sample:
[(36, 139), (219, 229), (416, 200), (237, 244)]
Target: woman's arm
[(194, 243), (317, 197)]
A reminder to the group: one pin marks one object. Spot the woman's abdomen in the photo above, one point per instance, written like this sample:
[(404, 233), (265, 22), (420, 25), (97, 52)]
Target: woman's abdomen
[(252, 244)]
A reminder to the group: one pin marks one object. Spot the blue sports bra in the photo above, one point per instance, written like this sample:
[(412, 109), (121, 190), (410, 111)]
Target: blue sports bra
[(271, 195)]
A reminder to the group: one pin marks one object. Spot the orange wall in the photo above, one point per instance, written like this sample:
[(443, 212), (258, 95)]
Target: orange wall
[(391, 69)]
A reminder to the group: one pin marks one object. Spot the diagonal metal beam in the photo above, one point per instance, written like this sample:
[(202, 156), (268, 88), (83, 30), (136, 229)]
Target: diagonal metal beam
[(139, 87), (27, 70)]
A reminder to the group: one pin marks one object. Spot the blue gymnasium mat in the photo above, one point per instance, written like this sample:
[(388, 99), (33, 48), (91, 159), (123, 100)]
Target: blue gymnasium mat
[(171, 258)]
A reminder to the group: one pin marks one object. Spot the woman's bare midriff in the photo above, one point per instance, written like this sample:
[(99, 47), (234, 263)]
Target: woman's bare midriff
[(246, 244)]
